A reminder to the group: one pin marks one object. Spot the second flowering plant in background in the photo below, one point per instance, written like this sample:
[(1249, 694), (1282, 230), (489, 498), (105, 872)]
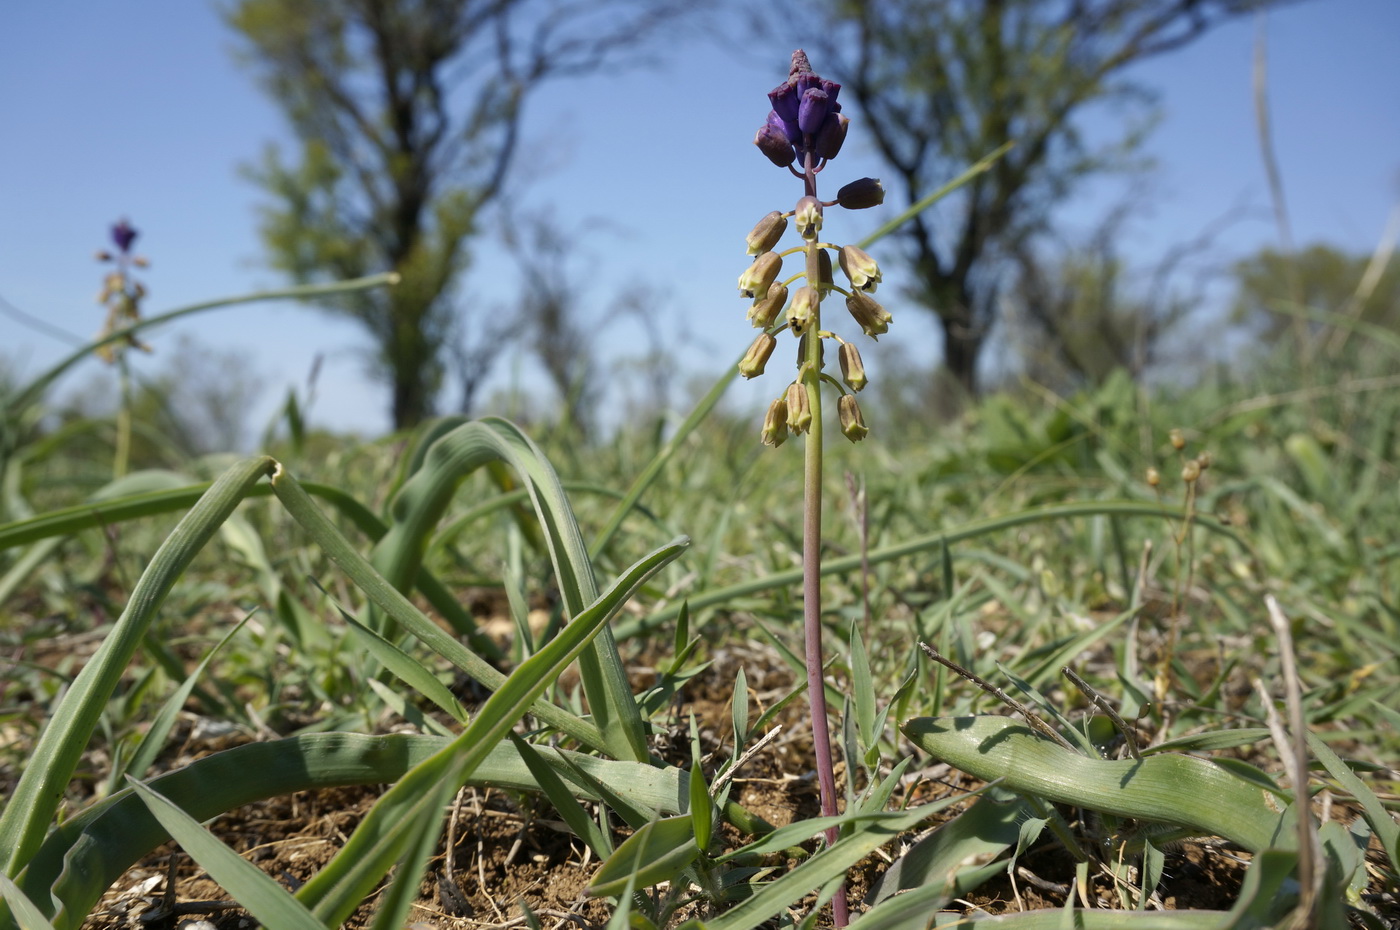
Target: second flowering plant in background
[(804, 131)]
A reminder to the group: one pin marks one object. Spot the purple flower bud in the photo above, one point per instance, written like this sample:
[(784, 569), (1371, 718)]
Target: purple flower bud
[(805, 82), (785, 99), (800, 66), (831, 136), (123, 234), (774, 144), (832, 90), (812, 112), (787, 127), (861, 194)]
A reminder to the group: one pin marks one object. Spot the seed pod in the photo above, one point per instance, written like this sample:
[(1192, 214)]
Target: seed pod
[(1178, 440), (1190, 471), (1154, 477)]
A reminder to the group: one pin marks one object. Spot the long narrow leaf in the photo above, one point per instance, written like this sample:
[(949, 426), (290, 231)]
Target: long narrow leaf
[(50, 767), (932, 542), (379, 841), (81, 857), (395, 604), (252, 888), (1168, 788), (423, 499)]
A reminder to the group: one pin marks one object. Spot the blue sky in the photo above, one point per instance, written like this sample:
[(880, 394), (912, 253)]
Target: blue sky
[(140, 110)]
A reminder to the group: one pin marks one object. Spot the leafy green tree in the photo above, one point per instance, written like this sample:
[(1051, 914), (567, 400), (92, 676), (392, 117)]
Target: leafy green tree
[(408, 116), (942, 83), (1357, 287)]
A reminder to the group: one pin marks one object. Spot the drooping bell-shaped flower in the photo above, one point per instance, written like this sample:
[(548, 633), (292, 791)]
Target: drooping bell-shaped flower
[(757, 278), (766, 233)]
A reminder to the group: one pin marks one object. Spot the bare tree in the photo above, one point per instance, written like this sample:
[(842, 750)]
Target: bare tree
[(408, 117), (944, 83)]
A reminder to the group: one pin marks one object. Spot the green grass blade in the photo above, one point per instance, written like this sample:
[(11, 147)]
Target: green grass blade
[(104, 511), (82, 856), (870, 832), (1382, 823), (1169, 788), (397, 900), (55, 757), (656, 853), (393, 602), (26, 914), (252, 888), (559, 794), (154, 738), (978, 167), (379, 841), (406, 668), (423, 499), (934, 865), (35, 389), (931, 542)]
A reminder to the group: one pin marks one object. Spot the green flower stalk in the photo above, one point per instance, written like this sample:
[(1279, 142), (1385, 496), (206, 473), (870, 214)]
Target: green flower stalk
[(121, 294), (803, 132)]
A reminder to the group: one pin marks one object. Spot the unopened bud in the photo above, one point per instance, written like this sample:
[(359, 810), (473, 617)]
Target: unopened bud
[(808, 216), (852, 423), (1190, 471), (874, 320), (774, 145), (765, 310), (1154, 477), (751, 365), (767, 233), (812, 110), (1178, 440), (852, 368), (775, 428), (784, 100), (103, 255), (829, 139), (141, 261), (860, 268), (759, 276), (824, 276), (799, 408), (861, 194), (802, 309)]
